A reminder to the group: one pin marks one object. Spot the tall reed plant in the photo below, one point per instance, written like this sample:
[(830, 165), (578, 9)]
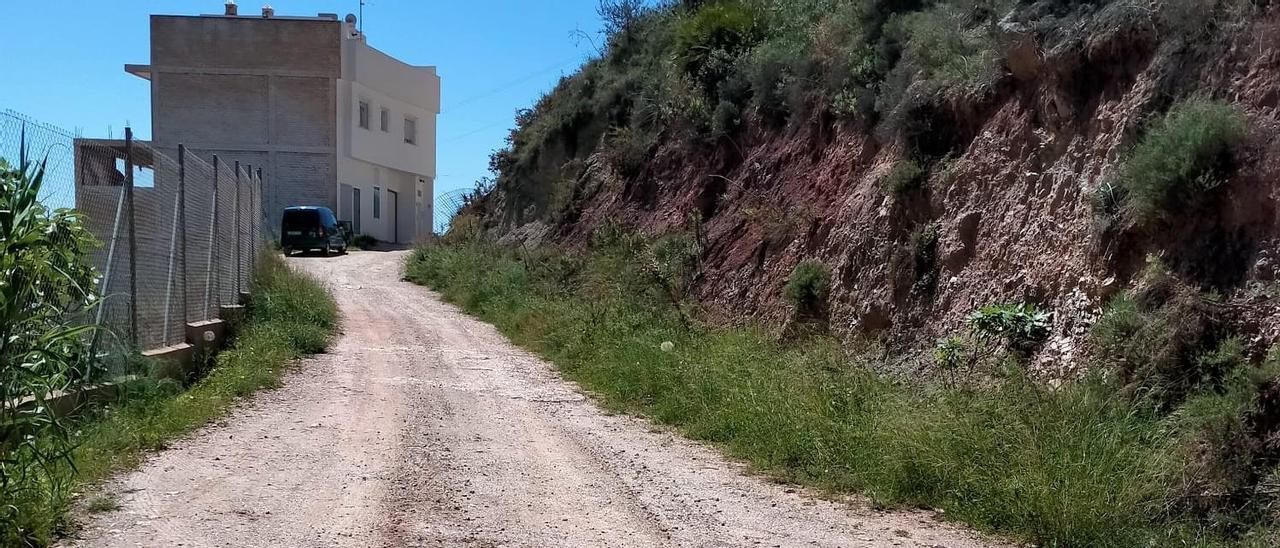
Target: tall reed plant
[(46, 284)]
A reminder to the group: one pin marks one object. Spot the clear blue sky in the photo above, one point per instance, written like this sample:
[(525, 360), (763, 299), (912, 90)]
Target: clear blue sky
[(64, 61)]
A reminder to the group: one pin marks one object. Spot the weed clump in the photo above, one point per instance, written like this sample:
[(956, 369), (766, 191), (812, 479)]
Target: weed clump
[(1153, 337), (1180, 160), (1173, 354), (906, 176), (808, 286), (708, 42), (1022, 327)]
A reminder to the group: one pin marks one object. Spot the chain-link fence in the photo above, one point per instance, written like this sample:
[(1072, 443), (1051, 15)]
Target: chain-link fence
[(179, 235)]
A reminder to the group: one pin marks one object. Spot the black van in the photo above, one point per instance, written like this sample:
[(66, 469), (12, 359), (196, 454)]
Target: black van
[(307, 228)]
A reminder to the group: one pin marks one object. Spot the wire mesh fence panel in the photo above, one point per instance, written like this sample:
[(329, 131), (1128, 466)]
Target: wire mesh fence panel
[(201, 234), (244, 216), (160, 304), (45, 144), (178, 232), (225, 241), (87, 175)]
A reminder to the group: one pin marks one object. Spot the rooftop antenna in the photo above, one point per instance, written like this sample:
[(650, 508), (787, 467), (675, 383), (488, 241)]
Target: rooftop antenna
[(360, 21)]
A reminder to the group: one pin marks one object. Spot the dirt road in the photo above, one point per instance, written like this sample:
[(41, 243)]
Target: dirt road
[(424, 427)]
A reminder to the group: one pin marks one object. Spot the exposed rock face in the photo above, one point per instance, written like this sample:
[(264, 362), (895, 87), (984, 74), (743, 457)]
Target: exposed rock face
[(1007, 213)]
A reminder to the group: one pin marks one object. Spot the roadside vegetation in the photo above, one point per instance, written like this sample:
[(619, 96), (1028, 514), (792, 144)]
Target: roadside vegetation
[(1132, 455), (47, 281), (290, 315), (1177, 164), (1169, 440), (698, 75)]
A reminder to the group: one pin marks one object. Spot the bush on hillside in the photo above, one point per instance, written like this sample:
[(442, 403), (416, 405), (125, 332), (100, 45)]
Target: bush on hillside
[(808, 286), (770, 69), (906, 176), (1022, 327), (627, 150), (1181, 159), (1224, 469), (1156, 338), (709, 41), (464, 227), (946, 47), (675, 263), (924, 254)]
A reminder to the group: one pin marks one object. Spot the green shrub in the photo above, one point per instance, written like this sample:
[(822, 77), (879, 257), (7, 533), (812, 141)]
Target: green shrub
[(924, 253), (464, 227), (947, 47), (1158, 338), (958, 357), (906, 176), (708, 42), (1221, 459), (770, 69), (853, 103), (1180, 159), (808, 285), (1021, 326), (628, 150), (676, 260), (725, 120)]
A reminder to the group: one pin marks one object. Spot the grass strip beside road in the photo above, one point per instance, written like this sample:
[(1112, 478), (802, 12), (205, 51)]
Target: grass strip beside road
[(291, 315), (1080, 465)]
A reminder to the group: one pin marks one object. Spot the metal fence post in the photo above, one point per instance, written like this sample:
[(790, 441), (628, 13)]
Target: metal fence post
[(133, 240), (248, 229), (182, 216), (236, 224), (258, 215)]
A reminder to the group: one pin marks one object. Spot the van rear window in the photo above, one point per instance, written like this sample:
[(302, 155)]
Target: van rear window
[(301, 220)]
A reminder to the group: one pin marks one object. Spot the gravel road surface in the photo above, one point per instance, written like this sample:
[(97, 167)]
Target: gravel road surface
[(425, 427)]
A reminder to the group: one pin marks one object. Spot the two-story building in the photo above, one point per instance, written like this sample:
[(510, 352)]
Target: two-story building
[(330, 120), (386, 141)]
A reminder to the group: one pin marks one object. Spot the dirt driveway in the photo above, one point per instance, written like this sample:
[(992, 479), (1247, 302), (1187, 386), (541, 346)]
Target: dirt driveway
[(424, 427)]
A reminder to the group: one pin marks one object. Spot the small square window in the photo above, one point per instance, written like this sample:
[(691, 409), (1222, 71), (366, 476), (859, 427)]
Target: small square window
[(364, 114), (385, 121), (411, 131)]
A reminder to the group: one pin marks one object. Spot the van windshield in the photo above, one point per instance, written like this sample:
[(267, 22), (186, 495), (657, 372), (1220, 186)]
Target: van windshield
[(305, 219)]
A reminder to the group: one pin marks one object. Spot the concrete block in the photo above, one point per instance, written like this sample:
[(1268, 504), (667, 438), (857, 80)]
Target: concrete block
[(65, 404), (173, 362), (207, 336), (232, 314)]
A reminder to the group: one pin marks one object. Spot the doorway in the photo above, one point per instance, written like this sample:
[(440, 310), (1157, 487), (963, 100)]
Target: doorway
[(395, 215), (355, 210)]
